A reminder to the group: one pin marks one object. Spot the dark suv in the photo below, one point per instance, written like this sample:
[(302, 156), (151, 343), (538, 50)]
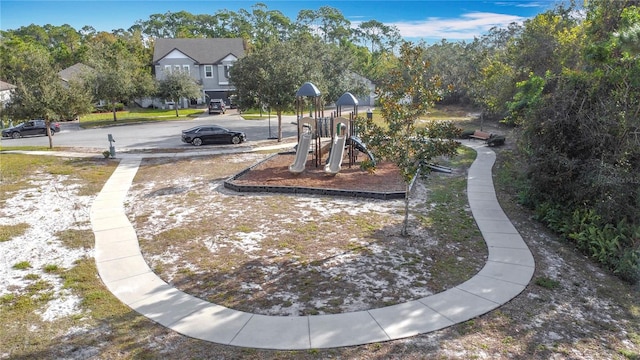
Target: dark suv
[(216, 106)]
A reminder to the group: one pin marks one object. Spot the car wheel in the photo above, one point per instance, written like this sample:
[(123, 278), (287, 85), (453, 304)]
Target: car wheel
[(235, 140), (15, 135), (196, 142)]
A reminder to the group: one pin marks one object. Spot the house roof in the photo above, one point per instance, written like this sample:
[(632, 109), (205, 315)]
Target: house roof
[(74, 71), (202, 51), (6, 86)]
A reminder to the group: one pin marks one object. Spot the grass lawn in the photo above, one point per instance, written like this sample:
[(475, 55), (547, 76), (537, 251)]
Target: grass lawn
[(136, 116)]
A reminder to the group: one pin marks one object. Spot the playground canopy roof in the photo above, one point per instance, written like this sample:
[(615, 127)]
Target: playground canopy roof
[(347, 99), (308, 89)]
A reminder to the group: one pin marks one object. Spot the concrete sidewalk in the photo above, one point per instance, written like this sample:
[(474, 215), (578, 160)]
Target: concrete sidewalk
[(123, 270)]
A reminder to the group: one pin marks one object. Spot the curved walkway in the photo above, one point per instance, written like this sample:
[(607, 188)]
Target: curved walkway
[(124, 271)]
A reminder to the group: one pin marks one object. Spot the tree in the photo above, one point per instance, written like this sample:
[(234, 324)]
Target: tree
[(268, 26), (381, 37), (327, 22), (39, 90), (454, 64), (263, 78), (121, 72), (495, 87), (550, 41), (405, 96), (77, 99), (178, 85)]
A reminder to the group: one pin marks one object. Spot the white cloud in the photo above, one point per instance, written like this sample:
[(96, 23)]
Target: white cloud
[(466, 27), (540, 4)]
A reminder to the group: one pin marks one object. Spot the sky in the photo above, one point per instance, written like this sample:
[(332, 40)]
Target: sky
[(427, 20)]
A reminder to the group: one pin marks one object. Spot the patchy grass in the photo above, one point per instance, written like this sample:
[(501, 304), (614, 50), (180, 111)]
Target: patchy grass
[(316, 255), (22, 265), (463, 250), (76, 239), (8, 232), (547, 283), (16, 169), (590, 315)]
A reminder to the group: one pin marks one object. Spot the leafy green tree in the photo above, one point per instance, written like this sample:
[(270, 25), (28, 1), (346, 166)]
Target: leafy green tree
[(491, 74), (495, 88), (268, 26), (328, 23), (259, 26), (548, 42), (39, 91), (405, 96), (263, 78), (77, 99), (178, 85), (380, 36), (338, 68), (121, 73), (455, 64), (527, 97), (63, 43)]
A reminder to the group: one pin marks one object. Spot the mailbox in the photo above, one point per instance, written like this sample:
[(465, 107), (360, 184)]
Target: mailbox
[(112, 149)]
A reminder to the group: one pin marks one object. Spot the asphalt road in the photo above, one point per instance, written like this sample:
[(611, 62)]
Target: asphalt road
[(163, 134)]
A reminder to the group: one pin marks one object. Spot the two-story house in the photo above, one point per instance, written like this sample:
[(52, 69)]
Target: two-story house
[(207, 60)]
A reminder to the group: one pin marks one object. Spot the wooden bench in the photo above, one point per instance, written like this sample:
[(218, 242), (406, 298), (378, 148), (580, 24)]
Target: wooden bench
[(481, 135), (490, 139)]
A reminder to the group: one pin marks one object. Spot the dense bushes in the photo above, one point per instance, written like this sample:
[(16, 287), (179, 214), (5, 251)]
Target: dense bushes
[(615, 246), (581, 137), (108, 108)]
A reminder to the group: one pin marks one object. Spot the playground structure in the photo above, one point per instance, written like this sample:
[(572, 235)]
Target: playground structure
[(281, 172), (306, 129), (337, 149), (343, 132)]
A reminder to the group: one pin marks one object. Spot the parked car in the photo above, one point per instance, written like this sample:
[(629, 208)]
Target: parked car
[(29, 128), (217, 106), (210, 134)]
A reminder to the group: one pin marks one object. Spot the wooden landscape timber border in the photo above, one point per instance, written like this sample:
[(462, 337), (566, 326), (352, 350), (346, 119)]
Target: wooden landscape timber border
[(381, 195)]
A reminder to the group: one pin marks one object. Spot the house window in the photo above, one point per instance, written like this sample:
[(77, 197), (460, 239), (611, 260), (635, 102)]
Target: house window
[(176, 68), (167, 69), (223, 74), (185, 69), (208, 71)]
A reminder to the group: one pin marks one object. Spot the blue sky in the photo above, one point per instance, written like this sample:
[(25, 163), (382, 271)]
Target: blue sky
[(429, 20)]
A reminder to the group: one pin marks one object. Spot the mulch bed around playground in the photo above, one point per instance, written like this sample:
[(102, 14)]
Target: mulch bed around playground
[(275, 172)]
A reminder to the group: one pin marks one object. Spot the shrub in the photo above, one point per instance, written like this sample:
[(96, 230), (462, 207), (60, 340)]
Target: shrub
[(616, 247)]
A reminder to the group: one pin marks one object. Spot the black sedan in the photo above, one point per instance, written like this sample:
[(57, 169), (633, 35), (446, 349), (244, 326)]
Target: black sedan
[(31, 127), (210, 134)]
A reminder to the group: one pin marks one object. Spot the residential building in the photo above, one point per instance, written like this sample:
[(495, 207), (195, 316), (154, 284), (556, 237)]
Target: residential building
[(207, 60), (6, 90), (74, 73)]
